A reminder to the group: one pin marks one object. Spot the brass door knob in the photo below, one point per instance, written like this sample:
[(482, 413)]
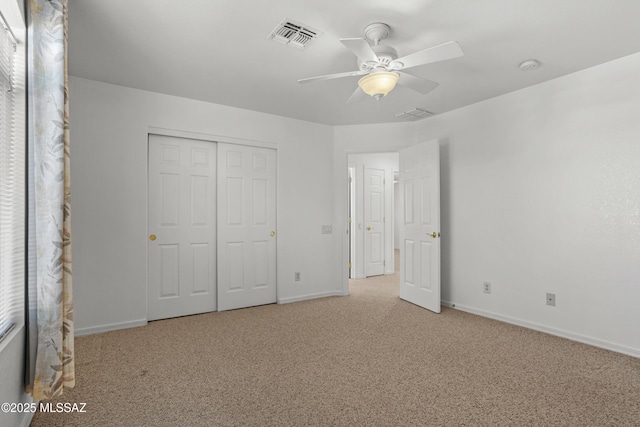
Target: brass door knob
[(432, 234), (368, 228), (273, 233), (152, 237)]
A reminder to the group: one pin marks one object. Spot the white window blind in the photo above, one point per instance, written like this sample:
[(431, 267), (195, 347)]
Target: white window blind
[(12, 189)]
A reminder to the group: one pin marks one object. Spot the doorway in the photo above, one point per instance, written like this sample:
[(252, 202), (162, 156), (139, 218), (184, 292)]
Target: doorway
[(371, 220), (418, 225)]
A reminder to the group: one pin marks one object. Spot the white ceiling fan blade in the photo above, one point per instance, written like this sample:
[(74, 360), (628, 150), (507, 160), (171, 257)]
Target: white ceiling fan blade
[(418, 84), (356, 96), (332, 76), (361, 48), (441, 52)]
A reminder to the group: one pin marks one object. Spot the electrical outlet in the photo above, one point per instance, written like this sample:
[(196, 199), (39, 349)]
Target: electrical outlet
[(551, 299), (486, 287), (296, 276), (327, 229)]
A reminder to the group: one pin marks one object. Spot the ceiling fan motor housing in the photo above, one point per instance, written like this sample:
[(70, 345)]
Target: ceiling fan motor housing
[(386, 54)]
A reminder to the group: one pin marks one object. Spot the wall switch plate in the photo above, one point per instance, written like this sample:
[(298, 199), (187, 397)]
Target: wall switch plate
[(551, 299), (327, 229), (486, 287), (296, 276)]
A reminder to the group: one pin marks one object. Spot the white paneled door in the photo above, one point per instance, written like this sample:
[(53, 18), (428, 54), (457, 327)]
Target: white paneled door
[(374, 221), (420, 225), (182, 227), (246, 226)]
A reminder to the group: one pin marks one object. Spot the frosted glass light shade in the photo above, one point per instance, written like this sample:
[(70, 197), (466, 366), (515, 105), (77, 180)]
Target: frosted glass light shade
[(378, 84)]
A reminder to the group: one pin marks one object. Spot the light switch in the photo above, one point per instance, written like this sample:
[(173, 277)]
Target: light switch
[(327, 229)]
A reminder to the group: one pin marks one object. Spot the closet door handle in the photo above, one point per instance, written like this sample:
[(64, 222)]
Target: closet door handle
[(152, 237)]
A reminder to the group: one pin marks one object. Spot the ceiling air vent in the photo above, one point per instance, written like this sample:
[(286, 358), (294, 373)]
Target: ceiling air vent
[(294, 34), (415, 114)]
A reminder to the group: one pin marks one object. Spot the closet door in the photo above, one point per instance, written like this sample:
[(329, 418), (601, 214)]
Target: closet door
[(182, 227), (246, 226)]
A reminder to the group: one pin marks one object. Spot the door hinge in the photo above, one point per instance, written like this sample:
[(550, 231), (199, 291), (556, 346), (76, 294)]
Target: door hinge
[(350, 265), (384, 219), (349, 220), (384, 262)]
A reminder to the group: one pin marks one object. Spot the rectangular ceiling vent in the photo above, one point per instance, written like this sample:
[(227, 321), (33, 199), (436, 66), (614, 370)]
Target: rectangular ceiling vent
[(415, 114), (294, 34)]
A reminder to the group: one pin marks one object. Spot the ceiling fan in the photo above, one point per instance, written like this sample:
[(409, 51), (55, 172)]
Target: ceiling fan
[(381, 67)]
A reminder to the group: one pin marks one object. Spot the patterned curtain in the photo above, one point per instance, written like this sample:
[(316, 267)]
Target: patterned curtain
[(50, 367)]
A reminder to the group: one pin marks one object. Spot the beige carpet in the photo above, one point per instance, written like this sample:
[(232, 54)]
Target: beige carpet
[(369, 359)]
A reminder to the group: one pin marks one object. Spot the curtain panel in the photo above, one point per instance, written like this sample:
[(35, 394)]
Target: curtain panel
[(50, 349)]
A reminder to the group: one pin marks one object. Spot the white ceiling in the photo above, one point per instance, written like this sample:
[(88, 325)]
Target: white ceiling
[(217, 50)]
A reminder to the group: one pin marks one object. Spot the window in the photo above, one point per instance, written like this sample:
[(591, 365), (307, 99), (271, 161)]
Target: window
[(12, 181)]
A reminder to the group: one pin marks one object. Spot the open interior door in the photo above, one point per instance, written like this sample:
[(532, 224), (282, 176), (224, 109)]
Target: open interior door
[(420, 225)]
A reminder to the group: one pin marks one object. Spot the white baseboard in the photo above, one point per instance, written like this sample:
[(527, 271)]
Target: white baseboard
[(629, 351), (311, 296), (110, 327)]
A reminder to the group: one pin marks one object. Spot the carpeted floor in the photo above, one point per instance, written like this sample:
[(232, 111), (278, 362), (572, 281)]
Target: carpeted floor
[(369, 359)]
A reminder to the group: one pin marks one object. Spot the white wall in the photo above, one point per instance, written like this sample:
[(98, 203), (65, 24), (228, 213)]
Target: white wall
[(109, 126), (389, 163), (537, 196), (540, 194)]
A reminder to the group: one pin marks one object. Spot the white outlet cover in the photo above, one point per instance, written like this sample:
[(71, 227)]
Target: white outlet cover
[(551, 299), (486, 287)]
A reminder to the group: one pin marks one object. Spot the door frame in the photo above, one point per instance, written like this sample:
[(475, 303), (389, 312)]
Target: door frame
[(152, 130), (353, 235), (351, 213), (342, 211)]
